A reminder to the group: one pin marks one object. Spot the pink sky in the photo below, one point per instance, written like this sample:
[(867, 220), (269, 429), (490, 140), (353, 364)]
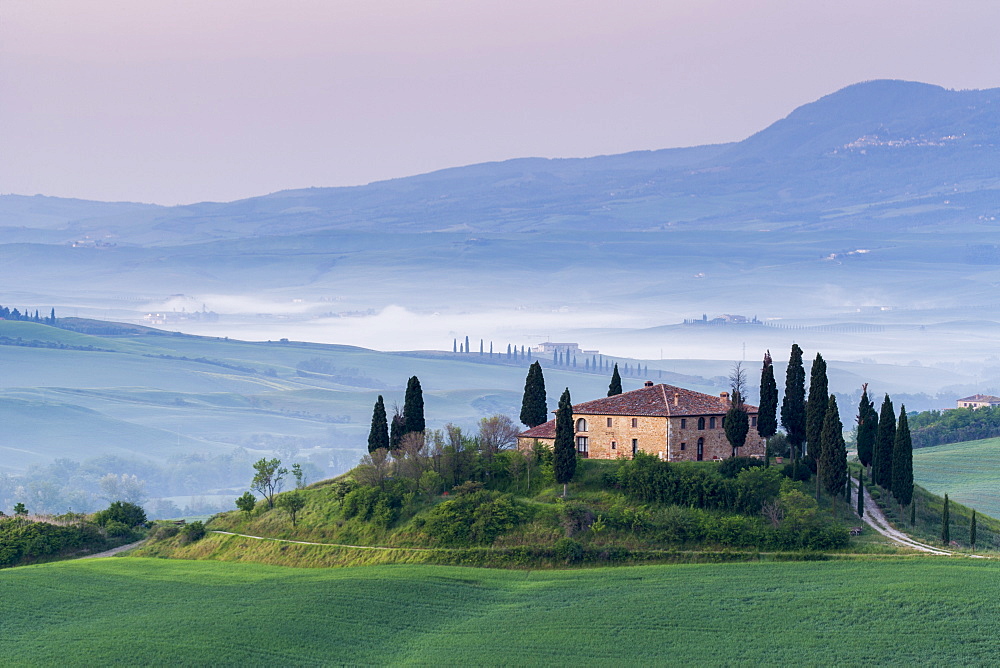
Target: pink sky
[(190, 100)]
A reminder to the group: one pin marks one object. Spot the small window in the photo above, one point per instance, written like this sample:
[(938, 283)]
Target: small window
[(683, 446), (711, 423), (701, 424), (609, 422), (701, 449), (684, 423), (614, 446), (753, 421), (635, 446), (581, 444), (635, 422), (581, 425)]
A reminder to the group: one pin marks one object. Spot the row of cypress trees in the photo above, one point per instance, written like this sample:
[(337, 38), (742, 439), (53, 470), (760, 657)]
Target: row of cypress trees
[(885, 445), (389, 436)]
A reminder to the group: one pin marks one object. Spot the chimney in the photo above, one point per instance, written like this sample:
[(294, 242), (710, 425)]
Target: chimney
[(724, 395), (677, 399), (649, 383)]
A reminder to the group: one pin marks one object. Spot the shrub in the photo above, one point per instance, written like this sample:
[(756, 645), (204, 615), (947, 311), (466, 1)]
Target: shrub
[(467, 487), (475, 518), (192, 532), (731, 467), (568, 550), (575, 517), (799, 472), (164, 531)]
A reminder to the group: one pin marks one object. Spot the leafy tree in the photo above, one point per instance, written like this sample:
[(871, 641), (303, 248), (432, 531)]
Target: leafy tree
[(902, 461), (767, 413), (793, 405), (299, 475), (267, 480), (886, 437), (736, 423), (533, 403), (496, 433), (247, 502), (867, 428), (833, 453), (972, 531), (413, 407), (20, 509), (292, 503), (945, 522), (861, 493), (616, 383), (819, 392), (564, 450), (378, 435), (129, 514)]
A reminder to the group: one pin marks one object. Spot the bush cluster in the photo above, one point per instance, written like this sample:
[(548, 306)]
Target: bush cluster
[(21, 540), (474, 519)]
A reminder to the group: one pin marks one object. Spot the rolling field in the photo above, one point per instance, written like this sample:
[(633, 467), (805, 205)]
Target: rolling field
[(157, 612), (968, 472)]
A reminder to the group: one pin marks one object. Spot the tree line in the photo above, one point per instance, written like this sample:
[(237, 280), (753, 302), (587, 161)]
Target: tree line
[(7, 313), (955, 425)]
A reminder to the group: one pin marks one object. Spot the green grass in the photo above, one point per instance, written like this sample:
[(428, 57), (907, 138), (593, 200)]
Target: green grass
[(967, 472), (156, 612)]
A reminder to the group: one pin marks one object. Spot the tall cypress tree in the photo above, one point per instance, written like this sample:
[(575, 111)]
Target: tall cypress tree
[(793, 405), (867, 428), (945, 523), (480, 346), (767, 413), (564, 451), (736, 423), (533, 402), (413, 407), (833, 453), (819, 393), (616, 383), (378, 435), (861, 493), (454, 345), (396, 430), (972, 531), (886, 436), (467, 349), (902, 461)]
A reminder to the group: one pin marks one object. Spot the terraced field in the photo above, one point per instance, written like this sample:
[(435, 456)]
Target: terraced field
[(920, 611)]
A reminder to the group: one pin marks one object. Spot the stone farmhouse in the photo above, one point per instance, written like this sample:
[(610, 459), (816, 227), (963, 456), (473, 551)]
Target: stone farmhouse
[(978, 401), (671, 422)]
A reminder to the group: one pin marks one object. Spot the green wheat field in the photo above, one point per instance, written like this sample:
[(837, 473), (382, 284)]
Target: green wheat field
[(160, 612)]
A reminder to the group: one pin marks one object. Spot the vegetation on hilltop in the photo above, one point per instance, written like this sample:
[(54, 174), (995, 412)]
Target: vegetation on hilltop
[(954, 425)]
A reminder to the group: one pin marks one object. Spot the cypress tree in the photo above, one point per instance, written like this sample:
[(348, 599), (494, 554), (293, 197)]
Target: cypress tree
[(902, 461), (736, 423), (533, 408), (586, 364), (945, 523), (861, 493), (767, 413), (396, 430), (555, 357), (867, 428), (793, 405), (378, 435), (508, 351), (833, 452), (616, 383), (564, 452), (454, 345), (819, 392), (480, 346), (413, 407), (886, 436), (467, 349), (52, 316), (491, 350), (972, 531)]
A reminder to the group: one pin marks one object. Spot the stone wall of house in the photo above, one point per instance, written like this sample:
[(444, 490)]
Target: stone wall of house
[(684, 432), (526, 444)]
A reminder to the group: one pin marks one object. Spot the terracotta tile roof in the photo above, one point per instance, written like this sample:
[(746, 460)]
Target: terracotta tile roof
[(981, 397), (546, 430), (658, 401)]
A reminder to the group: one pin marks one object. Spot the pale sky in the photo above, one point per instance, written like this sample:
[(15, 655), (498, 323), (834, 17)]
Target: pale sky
[(177, 101)]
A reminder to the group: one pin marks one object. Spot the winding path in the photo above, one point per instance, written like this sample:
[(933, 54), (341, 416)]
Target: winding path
[(876, 520), (304, 542), (112, 552)]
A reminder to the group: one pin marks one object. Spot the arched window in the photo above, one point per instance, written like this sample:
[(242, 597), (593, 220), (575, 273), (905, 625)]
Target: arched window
[(701, 449), (581, 425), (701, 423)]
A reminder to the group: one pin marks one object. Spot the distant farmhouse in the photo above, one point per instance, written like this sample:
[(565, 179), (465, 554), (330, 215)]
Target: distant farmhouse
[(564, 349), (979, 401), (670, 422)]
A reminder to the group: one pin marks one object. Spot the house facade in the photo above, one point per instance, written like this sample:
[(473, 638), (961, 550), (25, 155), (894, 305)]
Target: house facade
[(978, 401), (670, 422)]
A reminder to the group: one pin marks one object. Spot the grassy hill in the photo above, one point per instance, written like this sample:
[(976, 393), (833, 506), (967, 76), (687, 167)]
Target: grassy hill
[(967, 472), (894, 612)]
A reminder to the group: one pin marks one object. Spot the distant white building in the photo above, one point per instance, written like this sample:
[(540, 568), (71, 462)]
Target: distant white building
[(978, 401), (550, 347)]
